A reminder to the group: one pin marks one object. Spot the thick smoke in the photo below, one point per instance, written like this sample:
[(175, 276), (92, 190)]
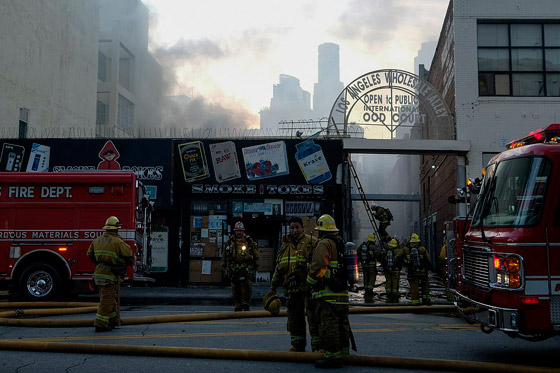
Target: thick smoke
[(183, 112)]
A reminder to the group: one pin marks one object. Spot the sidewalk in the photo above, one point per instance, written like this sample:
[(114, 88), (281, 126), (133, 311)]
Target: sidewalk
[(221, 295)]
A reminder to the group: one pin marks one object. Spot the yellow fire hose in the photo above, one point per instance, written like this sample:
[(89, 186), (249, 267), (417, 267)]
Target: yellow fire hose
[(293, 357), (7, 319), (14, 318)]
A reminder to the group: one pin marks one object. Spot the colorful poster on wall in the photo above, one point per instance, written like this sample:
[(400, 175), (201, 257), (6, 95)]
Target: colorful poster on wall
[(265, 160), (312, 162), (38, 158), (224, 159), (193, 161), (11, 159)]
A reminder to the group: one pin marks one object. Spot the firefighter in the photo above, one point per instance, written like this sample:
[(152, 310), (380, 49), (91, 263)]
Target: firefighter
[(392, 270), (331, 292), (111, 256), (384, 217), (417, 261), (367, 254), (238, 264), (291, 274)]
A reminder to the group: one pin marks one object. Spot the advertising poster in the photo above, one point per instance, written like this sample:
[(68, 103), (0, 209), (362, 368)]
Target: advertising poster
[(193, 161), (38, 158), (265, 160), (224, 160), (312, 162), (11, 159), (160, 240)]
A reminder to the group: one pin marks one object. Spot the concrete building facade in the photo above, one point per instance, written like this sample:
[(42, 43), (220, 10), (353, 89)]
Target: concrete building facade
[(497, 64), (48, 66), (129, 85)]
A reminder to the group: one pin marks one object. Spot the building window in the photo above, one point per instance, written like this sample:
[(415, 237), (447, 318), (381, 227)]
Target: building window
[(102, 108), (125, 119), (519, 59), (23, 122), (102, 69)]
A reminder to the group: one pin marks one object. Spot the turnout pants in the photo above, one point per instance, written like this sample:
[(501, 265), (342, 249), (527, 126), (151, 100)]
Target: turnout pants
[(370, 275), (242, 291), (107, 313), (334, 328), (392, 285), (419, 284), (299, 305)]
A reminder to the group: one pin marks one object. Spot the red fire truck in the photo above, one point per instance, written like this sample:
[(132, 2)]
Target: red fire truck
[(48, 220), (504, 263)]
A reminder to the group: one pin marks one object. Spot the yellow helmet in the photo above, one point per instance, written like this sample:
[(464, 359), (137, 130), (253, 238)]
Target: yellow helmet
[(272, 303), (112, 223), (393, 243), (414, 238), (326, 223), (371, 237)]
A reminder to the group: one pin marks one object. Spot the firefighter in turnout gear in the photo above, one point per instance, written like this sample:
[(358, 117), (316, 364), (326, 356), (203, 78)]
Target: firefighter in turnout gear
[(392, 270), (330, 290), (238, 263), (111, 256), (291, 274), (384, 217), (417, 261), (368, 252)]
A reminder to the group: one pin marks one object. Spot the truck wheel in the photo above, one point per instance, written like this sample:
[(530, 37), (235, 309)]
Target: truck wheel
[(40, 282)]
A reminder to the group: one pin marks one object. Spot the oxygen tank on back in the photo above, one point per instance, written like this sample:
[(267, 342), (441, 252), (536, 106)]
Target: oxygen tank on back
[(351, 262)]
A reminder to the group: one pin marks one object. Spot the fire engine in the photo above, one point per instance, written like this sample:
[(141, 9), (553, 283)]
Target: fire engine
[(504, 261), (48, 220)]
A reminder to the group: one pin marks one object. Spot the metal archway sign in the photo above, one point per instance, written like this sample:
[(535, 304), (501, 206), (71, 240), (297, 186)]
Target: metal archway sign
[(382, 101)]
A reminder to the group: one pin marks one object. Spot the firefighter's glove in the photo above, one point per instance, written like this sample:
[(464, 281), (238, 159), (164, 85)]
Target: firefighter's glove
[(292, 284)]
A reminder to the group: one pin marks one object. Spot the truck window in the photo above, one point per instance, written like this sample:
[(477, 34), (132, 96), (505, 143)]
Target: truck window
[(518, 194)]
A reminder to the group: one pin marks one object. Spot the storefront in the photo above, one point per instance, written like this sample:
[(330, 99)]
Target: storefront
[(258, 182), (201, 188)]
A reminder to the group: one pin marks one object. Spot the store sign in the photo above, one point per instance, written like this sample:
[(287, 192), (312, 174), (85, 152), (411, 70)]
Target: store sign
[(383, 100), (257, 189), (300, 209)]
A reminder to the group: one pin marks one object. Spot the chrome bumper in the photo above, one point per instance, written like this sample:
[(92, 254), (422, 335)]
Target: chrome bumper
[(505, 319)]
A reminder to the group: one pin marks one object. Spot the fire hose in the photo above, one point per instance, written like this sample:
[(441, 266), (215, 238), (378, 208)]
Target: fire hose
[(7, 319)]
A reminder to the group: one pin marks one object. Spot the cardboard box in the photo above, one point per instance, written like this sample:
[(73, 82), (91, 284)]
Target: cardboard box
[(211, 250), (266, 259), (212, 271)]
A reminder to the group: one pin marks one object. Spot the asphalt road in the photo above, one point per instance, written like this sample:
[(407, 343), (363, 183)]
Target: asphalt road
[(394, 335)]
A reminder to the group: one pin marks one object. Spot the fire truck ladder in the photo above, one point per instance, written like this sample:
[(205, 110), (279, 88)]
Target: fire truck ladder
[(364, 199)]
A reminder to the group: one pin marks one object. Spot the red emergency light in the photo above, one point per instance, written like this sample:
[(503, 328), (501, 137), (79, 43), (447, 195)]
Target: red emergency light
[(547, 135)]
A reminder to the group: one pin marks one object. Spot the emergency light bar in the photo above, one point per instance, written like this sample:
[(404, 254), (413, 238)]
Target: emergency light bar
[(548, 135)]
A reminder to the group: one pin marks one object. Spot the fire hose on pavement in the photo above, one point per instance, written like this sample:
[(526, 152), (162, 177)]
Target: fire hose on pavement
[(14, 318)]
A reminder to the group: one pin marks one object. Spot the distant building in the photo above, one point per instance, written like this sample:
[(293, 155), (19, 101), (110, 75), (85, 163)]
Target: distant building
[(289, 103), (129, 89), (48, 65), (328, 85)]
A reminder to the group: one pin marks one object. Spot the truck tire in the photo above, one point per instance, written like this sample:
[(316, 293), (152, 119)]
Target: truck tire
[(40, 282)]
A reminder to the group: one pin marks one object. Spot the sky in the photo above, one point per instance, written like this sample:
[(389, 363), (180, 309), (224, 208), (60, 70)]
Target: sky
[(227, 55)]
